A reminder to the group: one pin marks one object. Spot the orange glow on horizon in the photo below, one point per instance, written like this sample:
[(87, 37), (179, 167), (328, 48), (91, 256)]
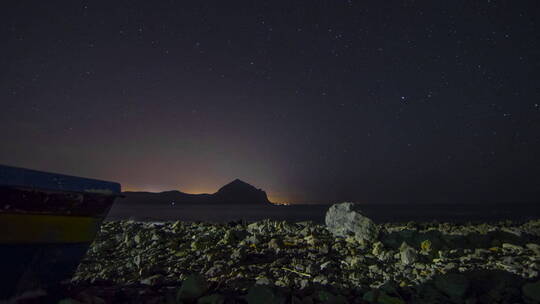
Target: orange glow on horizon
[(156, 189), (161, 189), (278, 199), (199, 191)]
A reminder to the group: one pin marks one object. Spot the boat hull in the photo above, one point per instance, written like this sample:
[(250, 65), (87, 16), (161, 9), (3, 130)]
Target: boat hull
[(38, 266), (45, 232), (43, 249)]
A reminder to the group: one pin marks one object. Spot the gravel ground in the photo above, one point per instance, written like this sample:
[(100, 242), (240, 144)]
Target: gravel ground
[(281, 262)]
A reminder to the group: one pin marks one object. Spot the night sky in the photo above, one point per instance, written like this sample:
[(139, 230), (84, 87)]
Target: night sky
[(312, 101)]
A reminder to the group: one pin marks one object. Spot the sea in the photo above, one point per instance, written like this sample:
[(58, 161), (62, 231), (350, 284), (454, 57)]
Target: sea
[(380, 213)]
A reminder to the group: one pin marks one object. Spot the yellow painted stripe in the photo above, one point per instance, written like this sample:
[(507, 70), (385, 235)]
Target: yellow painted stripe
[(47, 228)]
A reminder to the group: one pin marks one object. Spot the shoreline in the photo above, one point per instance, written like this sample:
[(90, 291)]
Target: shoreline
[(378, 213), (284, 257)]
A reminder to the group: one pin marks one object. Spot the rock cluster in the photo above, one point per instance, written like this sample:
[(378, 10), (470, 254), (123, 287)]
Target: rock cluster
[(362, 263)]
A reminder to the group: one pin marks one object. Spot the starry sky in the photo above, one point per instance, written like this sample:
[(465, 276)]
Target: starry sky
[(312, 101)]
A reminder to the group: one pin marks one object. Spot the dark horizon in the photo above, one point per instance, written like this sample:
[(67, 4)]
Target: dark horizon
[(324, 101)]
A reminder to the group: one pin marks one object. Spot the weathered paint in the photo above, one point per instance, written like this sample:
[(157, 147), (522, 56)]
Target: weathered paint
[(21, 177), (28, 200), (47, 222), (46, 228)]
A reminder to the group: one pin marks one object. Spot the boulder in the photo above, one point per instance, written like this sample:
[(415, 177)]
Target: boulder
[(346, 219), (408, 255)]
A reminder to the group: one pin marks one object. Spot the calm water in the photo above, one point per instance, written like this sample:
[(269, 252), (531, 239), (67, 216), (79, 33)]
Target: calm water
[(316, 213)]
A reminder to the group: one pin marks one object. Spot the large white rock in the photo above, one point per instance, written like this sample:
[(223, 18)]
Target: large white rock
[(408, 254), (346, 219)]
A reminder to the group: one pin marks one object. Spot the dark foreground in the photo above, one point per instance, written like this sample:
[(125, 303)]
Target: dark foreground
[(280, 262)]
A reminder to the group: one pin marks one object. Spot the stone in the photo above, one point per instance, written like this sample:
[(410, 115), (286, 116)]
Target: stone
[(262, 281), (320, 279), (390, 287), (353, 261), (449, 266), (193, 287), (420, 266), (408, 255), (328, 297), (378, 249), (532, 291), (512, 247), (260, 227), (534, 248), (425, 246), (259, 294), (325, 264), (253, 239), (298, 266), (374, 268), (346, 218), (153, 280), (211, 299), (380, 297), (214, 270), (228, 238), (323, 249), (531, 273), (311, 240), (512, 231), (275, 244), (452, 284), (480, 252)]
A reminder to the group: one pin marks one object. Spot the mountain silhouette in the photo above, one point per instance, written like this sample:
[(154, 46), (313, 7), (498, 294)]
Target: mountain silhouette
[(235, 192), (238, 191)]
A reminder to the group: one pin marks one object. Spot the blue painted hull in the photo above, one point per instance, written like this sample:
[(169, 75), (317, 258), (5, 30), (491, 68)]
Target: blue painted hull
[(47, 223)]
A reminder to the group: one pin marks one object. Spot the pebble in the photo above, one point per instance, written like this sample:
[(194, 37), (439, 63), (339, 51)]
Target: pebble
[(534, 248), (263, 254), (512, 247)]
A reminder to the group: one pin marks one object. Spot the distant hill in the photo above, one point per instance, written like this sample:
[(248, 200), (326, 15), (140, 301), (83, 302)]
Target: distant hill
[(235, 192)]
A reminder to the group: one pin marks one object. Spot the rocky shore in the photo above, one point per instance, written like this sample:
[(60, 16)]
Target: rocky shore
[(281, 262)]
